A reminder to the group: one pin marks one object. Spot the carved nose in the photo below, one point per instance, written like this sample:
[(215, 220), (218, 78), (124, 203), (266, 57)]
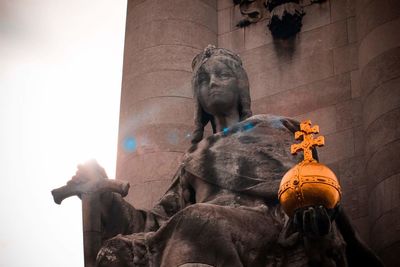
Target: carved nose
[(213, 80)]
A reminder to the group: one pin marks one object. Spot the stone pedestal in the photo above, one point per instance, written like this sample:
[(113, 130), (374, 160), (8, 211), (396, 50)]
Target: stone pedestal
[(156, 119)]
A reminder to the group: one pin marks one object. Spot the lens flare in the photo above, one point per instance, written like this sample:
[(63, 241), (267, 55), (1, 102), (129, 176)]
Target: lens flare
[(248, 127), (173, 138), (130, 144)]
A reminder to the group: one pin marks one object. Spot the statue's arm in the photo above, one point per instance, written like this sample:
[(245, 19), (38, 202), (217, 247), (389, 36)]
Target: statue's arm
[(314, 224), (120, 217), (172, 201), (117, 215)]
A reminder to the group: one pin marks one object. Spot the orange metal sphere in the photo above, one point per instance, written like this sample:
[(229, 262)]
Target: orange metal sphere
[(308, 184)]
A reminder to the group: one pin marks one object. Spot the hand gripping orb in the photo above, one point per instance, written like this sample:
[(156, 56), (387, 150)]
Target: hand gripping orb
[(309, 183)]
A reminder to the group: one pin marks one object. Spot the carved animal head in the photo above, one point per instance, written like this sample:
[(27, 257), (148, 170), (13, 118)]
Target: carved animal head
[(251, 10)]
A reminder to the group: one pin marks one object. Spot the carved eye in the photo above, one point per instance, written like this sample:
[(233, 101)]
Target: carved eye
[(203, 78), (225, 75)]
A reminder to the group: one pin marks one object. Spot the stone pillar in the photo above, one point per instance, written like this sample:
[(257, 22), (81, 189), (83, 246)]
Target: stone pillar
[(378, 24), (156, 117)]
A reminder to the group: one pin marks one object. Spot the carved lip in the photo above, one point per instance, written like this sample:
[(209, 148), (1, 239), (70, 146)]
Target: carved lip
[(216, 92)]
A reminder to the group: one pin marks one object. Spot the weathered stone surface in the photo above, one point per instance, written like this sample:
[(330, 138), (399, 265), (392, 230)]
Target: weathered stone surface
[(285, 19), (375, 13), (236, 17), (386, 231), (380, 70), (227, 163), (157, 84), (342, 9), (316, 16), (319, 35), (349, 114), (153, 138), (233, 40), (383, 164), (291, 75), (355, 84), (306, 98), (322, 38), (381, 39), (384, 130), (133, 3), (345, 58), (252, 11), (352, 30), (224, 20), (359, 143), (381, 100), (146, 195), (162, 39), (257, 35), (305, 44), (153, 111), (198, 12), (222, 4), (355, 200), (170, 32), (390, 255), (159, 58), (363, 2), (314, 75), (212, 3), (379, 55), (362, 226), (338, 146), (141, 169), (324, 117), (90, 184), (351, 172), (386, 197)]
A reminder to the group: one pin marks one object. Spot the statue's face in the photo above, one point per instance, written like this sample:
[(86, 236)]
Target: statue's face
[(252, 10), (218, 90)]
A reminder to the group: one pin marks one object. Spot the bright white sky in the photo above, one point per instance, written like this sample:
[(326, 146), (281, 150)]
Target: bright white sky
[(60, 79)]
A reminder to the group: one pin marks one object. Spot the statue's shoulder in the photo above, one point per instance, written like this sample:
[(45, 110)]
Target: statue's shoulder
[(256, 130), (273, 121), (252, 155)]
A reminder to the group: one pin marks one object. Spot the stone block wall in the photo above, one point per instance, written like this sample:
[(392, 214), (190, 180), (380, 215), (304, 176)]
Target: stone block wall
[(378, 25), (162, 37), (342, 71), (314, 75)]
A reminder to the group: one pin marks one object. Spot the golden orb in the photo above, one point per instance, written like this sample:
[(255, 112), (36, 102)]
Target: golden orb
[(308, 184)]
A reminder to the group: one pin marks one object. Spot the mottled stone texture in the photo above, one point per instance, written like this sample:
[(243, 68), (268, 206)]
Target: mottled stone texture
[(379, 61), (162, 37), (342, 71), (315, 76)]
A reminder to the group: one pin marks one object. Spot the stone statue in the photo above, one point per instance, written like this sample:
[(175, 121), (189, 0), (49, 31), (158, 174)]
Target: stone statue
[(222, 207), (251, 10)]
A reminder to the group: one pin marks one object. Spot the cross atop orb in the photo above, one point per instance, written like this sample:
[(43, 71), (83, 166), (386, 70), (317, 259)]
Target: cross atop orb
[(308, 142)]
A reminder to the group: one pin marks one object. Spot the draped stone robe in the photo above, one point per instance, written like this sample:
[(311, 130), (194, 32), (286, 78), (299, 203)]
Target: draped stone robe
[(221, 209)]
